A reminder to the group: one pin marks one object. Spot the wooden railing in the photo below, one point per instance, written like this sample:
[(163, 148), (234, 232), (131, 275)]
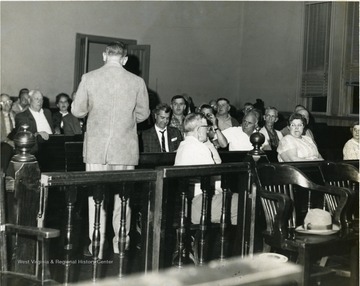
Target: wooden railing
[(100, 183), (157, 184), (235, 178)]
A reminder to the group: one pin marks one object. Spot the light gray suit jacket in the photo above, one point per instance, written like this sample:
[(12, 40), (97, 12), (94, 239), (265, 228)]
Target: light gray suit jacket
[(115, 100)]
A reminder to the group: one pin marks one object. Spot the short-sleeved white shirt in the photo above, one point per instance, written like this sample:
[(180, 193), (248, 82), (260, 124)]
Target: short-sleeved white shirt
[(238, 139)]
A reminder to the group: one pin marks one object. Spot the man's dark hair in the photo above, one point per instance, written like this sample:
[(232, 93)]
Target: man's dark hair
[(223, 98), (205, 105), (23, 91), (162, 106), (178, 97)]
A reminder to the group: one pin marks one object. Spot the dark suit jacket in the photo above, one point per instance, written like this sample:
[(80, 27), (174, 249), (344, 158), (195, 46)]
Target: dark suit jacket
[(151, 142), (71, 125), (26, 117)]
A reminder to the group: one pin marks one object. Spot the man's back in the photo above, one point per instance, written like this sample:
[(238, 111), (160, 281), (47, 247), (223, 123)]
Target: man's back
[(115, 100)]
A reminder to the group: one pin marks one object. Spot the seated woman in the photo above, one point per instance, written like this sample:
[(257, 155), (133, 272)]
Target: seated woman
[(351, 147), (296, 146), (63, 121), (308, 118)]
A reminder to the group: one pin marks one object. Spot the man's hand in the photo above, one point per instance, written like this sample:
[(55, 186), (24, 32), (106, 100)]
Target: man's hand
[(212, 118), (44, 135)]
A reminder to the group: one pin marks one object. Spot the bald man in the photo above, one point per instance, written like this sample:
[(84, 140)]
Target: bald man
[(38, 119), (239, 137)]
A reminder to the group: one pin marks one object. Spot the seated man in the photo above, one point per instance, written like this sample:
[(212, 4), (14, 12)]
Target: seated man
[(161, 137), (193, 151), (7, 125), (63, 121), (225, 120), (272, 136), (7, 118), (215, 135), (38, 119), (239, 137), (247, 107), (23, 102), (178, 106)]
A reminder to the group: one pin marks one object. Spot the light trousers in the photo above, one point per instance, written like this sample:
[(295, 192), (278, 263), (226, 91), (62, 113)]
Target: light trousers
[(116, 211)]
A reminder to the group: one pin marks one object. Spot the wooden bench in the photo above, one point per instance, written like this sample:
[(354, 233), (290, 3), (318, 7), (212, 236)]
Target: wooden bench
[(74, 161), (51, 155)]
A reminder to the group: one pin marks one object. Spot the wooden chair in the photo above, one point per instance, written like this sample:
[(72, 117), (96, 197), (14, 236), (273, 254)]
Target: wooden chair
[(281, 189), (343, 175), (23, 264)]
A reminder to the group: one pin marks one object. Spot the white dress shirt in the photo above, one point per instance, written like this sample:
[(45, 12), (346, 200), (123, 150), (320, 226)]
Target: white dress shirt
[(41, 122), (159, 134)]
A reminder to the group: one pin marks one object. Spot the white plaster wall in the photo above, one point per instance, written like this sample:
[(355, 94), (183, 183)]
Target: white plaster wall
[(239, 50), (271, 53)]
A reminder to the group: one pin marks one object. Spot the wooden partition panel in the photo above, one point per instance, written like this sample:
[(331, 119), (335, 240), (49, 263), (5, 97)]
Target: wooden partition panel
[(176, 179), (70, 183)]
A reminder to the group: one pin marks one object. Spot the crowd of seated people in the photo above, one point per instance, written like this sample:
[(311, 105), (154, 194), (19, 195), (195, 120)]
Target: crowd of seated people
[(229, 128), (28, 109)]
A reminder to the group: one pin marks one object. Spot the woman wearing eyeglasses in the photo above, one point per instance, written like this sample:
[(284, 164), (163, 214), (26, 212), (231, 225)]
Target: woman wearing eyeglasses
[(296, 146)]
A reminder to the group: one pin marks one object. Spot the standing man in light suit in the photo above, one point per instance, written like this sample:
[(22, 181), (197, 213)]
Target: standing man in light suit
[(114, 100)]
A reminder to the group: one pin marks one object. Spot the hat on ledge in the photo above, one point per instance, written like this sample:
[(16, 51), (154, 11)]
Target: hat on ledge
[(317, 219)]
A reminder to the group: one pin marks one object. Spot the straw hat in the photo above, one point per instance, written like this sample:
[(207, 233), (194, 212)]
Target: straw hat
[(317, 219)]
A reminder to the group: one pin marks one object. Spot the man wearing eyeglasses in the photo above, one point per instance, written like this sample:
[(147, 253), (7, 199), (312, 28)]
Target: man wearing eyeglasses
[(194, 151)]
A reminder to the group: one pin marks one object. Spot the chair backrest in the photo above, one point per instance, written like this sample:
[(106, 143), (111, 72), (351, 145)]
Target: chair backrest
[(287, 194), (342, 175), (279, 179)]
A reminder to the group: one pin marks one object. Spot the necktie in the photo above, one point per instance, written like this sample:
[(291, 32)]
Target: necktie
[(11, 124), (163, 149)]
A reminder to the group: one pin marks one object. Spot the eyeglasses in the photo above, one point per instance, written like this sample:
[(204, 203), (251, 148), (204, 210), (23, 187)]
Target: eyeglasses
[(296, 125), (205, 126), (6, 102), (270, 116)]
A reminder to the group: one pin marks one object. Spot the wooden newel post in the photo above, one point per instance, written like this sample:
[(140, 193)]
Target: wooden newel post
[(23, 192), (255, 157)]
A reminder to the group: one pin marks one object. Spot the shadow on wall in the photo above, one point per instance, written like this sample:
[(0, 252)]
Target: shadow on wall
[(133, 66)]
